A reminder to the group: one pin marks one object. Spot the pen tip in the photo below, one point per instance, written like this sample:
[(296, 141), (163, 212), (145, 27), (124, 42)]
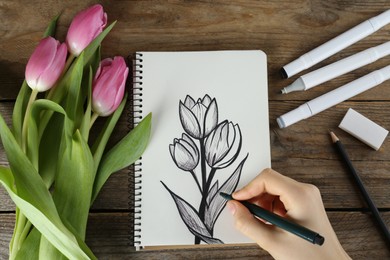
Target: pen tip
[(333, 136), (319, 240), (226, 196)]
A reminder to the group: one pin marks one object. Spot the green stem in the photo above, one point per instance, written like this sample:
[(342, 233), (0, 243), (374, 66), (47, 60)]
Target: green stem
[(33, 96), (26, 230), (21, 220), (17, 212), (93, 119), (19, 226)]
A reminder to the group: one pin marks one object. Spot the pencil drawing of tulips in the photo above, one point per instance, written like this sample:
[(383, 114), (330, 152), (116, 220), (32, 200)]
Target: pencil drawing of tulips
[(205, 147)]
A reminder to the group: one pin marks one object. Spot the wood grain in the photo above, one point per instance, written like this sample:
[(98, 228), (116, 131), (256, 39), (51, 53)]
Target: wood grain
[(108, 237), (284, 30)]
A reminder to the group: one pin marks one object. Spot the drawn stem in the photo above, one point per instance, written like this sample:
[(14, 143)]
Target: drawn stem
[(210, 179), (202, 206), (196, 180)]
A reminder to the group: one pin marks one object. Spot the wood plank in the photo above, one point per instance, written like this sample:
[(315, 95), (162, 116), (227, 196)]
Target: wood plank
[(219, 25), (109, 236)]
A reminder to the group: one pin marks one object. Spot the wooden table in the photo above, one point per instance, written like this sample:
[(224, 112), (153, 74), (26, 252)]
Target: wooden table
[(284, 30)]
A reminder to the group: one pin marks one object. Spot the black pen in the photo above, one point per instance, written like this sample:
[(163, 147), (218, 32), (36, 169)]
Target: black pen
[(362, 189), (285, 224)]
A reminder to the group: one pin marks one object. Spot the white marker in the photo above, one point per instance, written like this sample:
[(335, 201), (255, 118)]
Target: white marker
[(338, 68), (334, 97), (336, 44)]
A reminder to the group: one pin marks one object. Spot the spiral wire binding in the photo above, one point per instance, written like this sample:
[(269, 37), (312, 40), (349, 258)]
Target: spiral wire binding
[(136, 117)]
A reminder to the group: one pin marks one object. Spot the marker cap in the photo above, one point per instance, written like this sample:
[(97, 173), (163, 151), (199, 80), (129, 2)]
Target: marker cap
[(294, 67), (294, 116)]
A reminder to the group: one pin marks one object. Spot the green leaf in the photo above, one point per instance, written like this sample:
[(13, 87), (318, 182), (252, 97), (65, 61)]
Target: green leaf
[(101, 141), (20, 111), (51, 28), (75, 99), (55, 232), (132, 145), (72, 190), (73, 184), (50, 142), (89, 51), (33, 198), (86, 122)]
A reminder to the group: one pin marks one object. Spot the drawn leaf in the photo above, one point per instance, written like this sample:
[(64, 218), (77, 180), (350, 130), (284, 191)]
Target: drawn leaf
[(191, 219), (217, 202), (212, 192)]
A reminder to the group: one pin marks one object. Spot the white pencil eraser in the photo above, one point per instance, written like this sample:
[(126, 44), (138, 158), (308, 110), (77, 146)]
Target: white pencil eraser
[(363, 129)]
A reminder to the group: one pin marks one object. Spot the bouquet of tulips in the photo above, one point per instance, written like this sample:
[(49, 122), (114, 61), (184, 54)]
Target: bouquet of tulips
[(54, 174)]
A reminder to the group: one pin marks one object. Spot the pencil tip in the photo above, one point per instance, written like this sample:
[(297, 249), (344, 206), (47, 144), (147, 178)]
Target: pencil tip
[(225, 196), (333, 136)]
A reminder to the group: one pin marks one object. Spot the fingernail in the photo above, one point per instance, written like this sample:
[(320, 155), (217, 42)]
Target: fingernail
[(235, 193), (231, 207)]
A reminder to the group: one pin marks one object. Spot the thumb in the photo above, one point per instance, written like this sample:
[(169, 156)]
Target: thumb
[(247, 224)]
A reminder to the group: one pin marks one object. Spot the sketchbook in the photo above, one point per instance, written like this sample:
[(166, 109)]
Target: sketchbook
[(210, 134)]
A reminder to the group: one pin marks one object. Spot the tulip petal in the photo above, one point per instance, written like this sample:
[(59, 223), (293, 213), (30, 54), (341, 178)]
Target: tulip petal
[(221, 145), (172, 150), (234, 150), (85, 27), (192, 150), (49, 76), (189, 122), (40, 60), (206, 100), (187, 139), (214, 144), (211, 118), (199, 111), (109, 86), (189, 102), (183, 157)]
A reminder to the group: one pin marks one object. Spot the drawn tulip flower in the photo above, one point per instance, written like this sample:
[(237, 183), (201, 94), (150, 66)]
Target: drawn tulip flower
[(85, 27), (198, 118), (45, 64), (217, 146), (184, 153), (223, 145)]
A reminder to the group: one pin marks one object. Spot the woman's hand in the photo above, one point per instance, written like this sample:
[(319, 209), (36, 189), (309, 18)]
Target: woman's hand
[(299, 202)]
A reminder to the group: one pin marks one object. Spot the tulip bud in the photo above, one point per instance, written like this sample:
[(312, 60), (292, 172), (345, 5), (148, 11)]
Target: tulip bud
[(85, 27), (198, 118), (109, 85), (184, 153), (223, 145), (45, 64)]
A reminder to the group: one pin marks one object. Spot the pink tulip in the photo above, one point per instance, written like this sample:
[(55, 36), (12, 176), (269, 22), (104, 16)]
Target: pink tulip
[(85, 27), (109, 85), (46, 64)]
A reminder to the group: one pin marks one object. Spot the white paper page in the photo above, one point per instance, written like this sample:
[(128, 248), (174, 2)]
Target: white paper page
[(238, 82)]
